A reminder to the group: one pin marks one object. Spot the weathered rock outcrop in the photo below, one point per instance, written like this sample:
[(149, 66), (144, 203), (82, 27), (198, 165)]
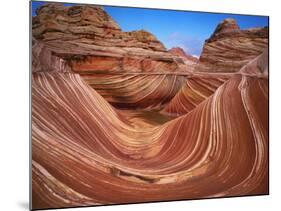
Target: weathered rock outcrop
[(189, 61), (229, 48), (91, 41)]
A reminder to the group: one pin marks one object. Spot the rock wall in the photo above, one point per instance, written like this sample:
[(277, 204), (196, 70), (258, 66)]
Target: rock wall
[(90, 40), (229, 48)]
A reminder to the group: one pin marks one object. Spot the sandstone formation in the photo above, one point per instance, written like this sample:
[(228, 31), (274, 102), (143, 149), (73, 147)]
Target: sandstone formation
[(198, 87), (136, 90), (195, 90), (258, 66), (84, 152), (188, 59), (229, 48), (86, 40), (90, 41)]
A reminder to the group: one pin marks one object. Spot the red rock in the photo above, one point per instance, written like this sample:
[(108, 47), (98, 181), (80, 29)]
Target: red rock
[(84, 152), (258, 66), (227, 25), (86, 40), (88, 34), (229, 48), (87, 152), (188, 59), (195, 90)]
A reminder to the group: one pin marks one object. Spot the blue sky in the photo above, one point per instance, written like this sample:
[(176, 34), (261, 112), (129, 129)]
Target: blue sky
[(187, 30)]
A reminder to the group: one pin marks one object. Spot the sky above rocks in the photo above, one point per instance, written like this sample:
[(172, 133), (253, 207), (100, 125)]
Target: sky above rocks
[(184, 29)]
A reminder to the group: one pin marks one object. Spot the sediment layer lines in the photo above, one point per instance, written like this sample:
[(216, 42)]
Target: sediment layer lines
[(136, 91), (193, 92), (86, 152)]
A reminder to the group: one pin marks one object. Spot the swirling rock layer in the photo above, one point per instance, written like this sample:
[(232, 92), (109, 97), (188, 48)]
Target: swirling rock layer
[(87, 152), (195, 90), (136, 90), (84, 152)]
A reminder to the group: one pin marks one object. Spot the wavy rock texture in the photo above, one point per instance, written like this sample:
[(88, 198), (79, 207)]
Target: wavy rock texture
[(229, 48), (87, 151), (195, 90), (200, 86), (135, 90), (93, 155), (258, 66)]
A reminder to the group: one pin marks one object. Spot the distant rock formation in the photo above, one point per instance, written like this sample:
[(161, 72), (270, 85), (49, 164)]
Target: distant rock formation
[(229, 48), (188, 59), (89, 40), (228, 25)]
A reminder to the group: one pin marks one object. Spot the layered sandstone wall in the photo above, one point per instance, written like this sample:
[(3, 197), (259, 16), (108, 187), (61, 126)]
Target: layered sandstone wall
[(91, 41), (229, 48)]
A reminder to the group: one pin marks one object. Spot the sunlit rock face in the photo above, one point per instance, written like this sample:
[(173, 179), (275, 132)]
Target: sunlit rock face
[(229, 48), (90, 40), (112, 135)]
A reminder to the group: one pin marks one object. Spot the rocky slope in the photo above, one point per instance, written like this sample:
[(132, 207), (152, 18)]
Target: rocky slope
[(188, 59), (229, 48)]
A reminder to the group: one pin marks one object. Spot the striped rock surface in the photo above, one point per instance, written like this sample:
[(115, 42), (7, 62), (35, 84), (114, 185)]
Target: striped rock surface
[(229, 48), (195, 90), (188, 59), (137, 91), (124, 90), (85, 152)]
